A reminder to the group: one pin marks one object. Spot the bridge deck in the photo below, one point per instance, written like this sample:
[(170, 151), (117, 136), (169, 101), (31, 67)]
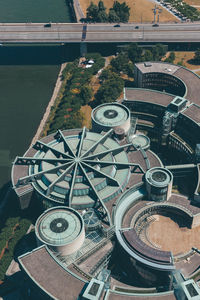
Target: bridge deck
[(77, 32)]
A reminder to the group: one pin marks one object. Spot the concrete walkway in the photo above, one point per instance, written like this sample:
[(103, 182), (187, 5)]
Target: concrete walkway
[(196, 70), (78, 10)]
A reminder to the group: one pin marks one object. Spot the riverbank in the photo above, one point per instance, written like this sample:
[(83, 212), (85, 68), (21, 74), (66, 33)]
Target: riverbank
[(48, 109), (78, 10)]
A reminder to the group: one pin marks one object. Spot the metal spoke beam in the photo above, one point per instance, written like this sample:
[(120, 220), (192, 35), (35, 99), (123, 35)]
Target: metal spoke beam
[(50, 187), (33, 177), (100, 141), (81, 141), (72, 185), (44, 147), (96, 194), (114, 150), (102, 174), (20, 160), (115, 163), (66, 144)]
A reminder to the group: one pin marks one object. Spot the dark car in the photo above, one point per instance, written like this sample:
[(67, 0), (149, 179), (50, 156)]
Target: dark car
[(117, 25), (47, 25), (155, 25), (136, 27)]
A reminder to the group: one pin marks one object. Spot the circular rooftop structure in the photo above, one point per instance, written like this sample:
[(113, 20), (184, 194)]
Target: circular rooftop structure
[(159, 183), (76, 169), (141, 140), (60, 228), (158, 177), (106, 116)]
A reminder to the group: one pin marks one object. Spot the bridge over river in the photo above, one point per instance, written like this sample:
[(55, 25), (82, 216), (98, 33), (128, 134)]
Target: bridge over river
[(94, 33)]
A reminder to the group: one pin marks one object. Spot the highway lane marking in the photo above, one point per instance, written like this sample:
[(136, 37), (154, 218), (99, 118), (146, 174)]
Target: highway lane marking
[(95, 32)]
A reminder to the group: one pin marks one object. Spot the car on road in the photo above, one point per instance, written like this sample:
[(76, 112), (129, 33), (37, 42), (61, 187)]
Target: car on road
[(155, 25), (136, 27), (117, 25), (47, 25)]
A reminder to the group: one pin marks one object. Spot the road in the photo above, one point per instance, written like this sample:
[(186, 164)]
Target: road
[(68, 33)]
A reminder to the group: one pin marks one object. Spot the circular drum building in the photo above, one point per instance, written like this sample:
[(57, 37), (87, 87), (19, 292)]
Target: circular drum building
[(113, 115), (73, 168), (159, 184), (61, 229)]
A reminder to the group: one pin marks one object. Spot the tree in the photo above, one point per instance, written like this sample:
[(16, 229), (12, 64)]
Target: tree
[(197, 56), (120, 63), (158, 51), (102, 17), (105, 75), (113, 17), (86, 94), (92, 12), (111, 88), (135, 53), (148, 56), (170, 58), (101, 6), (122, 11)]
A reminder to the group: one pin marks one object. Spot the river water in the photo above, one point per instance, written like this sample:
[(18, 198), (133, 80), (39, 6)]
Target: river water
[(34, 11), (27, 78)]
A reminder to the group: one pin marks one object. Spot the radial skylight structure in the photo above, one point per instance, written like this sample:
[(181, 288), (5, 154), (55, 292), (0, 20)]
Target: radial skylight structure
[(81, 170)]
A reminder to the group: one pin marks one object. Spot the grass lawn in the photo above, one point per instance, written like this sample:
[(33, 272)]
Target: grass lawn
[(141, 10)]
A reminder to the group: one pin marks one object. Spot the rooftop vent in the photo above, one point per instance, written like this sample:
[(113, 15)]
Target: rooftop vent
[(147, 64)]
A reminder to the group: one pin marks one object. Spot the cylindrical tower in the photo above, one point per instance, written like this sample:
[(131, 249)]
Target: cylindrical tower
[(61, 229), (159, 184), (112, 115)]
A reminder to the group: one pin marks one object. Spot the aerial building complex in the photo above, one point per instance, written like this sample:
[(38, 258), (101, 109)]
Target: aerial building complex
[(120, 202)]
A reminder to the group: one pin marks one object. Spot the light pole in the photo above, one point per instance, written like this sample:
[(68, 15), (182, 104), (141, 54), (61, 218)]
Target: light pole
[(159, 12), (154, 12)]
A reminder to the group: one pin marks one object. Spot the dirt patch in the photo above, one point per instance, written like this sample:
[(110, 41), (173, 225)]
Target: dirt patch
[(170, 237), (140, 10), (192, 2), (186, 58), (86, 110)]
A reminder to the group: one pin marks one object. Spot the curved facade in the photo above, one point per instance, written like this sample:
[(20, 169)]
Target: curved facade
[(163, 82)]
